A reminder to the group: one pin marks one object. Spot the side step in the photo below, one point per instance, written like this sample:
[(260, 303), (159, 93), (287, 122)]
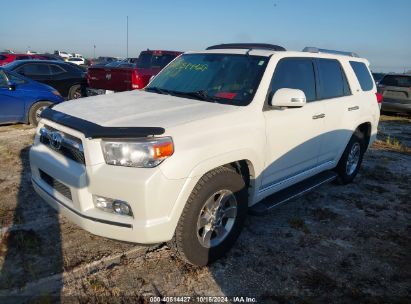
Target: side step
[(291, 192)]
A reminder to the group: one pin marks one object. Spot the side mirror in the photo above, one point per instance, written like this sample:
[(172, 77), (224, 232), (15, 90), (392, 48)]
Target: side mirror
[(290, 98), (11, 86)]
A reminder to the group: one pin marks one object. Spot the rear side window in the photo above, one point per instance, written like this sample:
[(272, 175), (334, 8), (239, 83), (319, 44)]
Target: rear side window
[(2, 57), (333, 82), (363, 75), (55, 69), (396, 81), (34, 69), (295, 73)]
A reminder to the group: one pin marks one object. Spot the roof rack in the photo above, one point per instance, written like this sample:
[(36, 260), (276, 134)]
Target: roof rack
[(312, 49), (249, 46)]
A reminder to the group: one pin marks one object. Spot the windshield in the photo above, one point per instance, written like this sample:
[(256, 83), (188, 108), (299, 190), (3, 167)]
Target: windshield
[(224, 78)]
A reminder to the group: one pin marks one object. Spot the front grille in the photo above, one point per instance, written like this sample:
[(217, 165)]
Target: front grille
[(71, 147), (56, 185)]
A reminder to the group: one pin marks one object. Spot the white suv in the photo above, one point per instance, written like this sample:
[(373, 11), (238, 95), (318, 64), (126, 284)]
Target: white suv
[(210, 137)]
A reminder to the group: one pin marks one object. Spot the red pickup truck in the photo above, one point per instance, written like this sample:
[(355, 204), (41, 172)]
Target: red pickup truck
[(125, 77)]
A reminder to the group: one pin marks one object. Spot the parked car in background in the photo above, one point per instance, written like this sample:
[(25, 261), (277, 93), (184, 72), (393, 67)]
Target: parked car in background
[(377, 77), (62, 54), (396, 91), (23, 99), (130, 76), (77, 60), (7, 58), (48, 56), (67, 78)]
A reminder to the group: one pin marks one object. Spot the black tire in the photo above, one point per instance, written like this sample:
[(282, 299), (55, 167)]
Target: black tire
[(346, 174), (75, 92), (35, 110), (186, 242)]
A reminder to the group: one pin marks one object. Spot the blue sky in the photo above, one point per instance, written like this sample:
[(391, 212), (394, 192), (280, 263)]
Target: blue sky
[(376, 29)]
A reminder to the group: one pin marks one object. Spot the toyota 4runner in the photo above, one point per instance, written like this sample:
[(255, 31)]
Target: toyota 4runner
[(212, 135)]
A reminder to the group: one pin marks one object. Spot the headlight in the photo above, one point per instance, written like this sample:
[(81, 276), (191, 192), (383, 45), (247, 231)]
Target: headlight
[(140, 153)]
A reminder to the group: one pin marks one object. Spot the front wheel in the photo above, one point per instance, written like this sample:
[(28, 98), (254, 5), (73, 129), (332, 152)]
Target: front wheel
[(35, 111), (212, 218), (351, 159)]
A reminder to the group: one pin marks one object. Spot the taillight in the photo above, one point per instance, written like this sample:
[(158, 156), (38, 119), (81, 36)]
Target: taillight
[(135, 81), (379, 97)]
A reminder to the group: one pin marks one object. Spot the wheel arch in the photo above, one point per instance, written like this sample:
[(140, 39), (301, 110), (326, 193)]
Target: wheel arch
[(365, 130), (30, 105)]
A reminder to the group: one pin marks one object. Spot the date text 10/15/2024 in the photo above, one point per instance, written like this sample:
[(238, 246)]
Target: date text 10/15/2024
[(203, 299)]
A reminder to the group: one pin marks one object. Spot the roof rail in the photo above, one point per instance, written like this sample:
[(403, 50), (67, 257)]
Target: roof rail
[(311, 49), (249, 46)]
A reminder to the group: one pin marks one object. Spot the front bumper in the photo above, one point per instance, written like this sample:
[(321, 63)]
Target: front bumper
[(156, 201)]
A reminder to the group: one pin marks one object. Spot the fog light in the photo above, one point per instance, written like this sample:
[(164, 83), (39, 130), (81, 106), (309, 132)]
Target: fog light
[(121, 207), (112, 205)]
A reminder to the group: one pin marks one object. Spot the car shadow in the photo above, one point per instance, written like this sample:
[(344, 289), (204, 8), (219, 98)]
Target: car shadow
[(31, 246)]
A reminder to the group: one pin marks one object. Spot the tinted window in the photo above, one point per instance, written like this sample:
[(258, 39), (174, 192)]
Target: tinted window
[(148, 60), (396, 81), (2, 57), (333, 82), (34, 69), (295, 73), (55, 69), (363, 75), (22, 58)]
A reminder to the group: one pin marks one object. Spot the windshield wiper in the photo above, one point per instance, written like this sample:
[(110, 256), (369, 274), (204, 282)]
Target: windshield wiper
[(157, 90), (202, 95)]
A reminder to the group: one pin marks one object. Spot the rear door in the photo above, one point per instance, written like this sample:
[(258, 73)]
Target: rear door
[(342, 109)]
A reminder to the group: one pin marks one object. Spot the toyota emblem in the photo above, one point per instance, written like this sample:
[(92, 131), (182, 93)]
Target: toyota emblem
[(55, 140)]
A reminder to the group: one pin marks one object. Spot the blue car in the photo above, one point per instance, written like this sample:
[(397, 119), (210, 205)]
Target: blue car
[(23, 99)]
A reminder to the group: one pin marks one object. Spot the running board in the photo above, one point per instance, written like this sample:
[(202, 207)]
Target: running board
[(291, 192)]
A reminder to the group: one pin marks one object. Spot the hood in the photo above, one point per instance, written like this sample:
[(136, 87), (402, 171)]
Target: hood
[(141, 109)]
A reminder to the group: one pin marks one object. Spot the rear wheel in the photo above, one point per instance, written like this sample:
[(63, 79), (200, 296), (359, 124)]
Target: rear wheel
[(351, 159), (212, 218), (35, 111), (75, 92)]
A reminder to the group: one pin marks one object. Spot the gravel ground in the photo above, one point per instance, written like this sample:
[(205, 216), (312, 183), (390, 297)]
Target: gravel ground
[(339, 244)]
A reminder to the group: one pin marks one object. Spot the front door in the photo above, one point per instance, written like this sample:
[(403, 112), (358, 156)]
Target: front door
[(294, 135)]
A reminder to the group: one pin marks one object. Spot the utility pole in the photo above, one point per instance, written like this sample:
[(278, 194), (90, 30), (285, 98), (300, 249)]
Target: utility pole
[(127, 37), (94, 52)]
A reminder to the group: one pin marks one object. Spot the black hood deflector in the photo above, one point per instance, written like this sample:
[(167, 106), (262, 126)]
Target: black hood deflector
[(92, 130)]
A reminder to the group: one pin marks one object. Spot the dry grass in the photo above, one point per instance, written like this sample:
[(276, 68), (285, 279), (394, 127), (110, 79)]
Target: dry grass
[(392, 145)]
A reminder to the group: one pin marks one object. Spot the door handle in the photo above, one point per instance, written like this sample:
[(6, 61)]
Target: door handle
[(353, 108), (318, 116)]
